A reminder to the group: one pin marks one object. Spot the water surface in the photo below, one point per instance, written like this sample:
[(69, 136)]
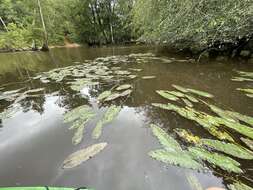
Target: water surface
[(35, 141)]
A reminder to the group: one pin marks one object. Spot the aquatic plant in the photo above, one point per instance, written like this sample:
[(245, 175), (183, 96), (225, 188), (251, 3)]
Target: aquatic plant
[(187, 102), (167, 95), (229, 148), (177, 158), (83, 155), (200, 93), (194, 182), (80, 116), (124, 87), (148, 77), (188, 136), (248, 142), (180, 88), (104, 95), (109, 116), (167, 141), (239, 186), (224, 162)]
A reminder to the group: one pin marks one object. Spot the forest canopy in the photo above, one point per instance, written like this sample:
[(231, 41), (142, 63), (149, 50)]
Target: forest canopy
[(177, 23)]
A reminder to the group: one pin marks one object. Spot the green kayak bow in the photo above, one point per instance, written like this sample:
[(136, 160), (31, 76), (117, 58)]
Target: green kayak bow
[(43, 188)]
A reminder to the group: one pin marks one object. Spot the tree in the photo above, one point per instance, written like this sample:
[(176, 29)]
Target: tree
[(45, 43)]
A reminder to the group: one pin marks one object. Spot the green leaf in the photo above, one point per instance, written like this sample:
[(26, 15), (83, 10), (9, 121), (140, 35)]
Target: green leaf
[(113, 96), (187, 103), (229, 148), (148, 77), (248, 142), (191, 98), (200, 93), (109, 116), (180, 88), (179, 158), (194, 182), (124, 87), (176, 93), (239, 186), (83, 155), (167, 141), (248, 90), (187, 136), (215, 159), (104, 95), (126, 93), (166, 95)]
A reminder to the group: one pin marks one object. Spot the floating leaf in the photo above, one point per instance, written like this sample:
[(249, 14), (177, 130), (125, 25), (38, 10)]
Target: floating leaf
[(109, 116), (80, 115), (239, 186), (215, 159), (166, 95), (126, 93), (167, 141), (248, 90), (132, 76), (124, 87), (229, 148), (191, 98), (104, 95), (248, 142), (180, 88), (83, 155), (241, 79), (133, 69), (209, 122), (189, 137), (200, 93), (249, 95), (176, 93), (148, 77), (113, 96), (187, 102), (179, 158), (194, 182)]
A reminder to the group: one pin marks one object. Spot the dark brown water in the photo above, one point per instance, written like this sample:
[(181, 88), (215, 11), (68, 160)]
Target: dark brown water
[(34, 142)]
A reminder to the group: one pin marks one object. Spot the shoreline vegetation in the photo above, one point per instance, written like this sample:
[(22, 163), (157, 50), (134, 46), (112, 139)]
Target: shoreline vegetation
[(202, 30)]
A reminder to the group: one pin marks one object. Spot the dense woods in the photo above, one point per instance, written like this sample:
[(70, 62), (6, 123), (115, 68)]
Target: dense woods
[(194, 25)]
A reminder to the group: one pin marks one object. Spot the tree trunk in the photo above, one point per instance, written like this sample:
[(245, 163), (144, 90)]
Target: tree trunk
[(45, 43), (5, 27)]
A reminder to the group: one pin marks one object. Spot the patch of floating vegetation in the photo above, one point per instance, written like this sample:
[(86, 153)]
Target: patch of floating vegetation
[(83, 155), (194, 182), (244, 77), (109, 116), (218, 152), (79, 117)]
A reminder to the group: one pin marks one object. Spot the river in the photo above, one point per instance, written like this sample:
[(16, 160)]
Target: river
[(35, 140)]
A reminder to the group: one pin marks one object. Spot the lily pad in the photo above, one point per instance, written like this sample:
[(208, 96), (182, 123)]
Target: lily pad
[(83, 155)]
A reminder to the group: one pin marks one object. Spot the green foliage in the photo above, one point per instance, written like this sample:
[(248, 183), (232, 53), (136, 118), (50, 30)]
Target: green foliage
[(215, 159), (229, 148), (192, 24), (194, 182), (239, 186), (167, 141), (178, 158), (167, 95), (109, 116), (83, 155)]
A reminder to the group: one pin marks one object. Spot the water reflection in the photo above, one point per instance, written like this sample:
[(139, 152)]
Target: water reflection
[(35, 141)]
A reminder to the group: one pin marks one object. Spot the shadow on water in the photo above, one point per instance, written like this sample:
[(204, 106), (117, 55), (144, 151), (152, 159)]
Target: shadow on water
[(35, 141)]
